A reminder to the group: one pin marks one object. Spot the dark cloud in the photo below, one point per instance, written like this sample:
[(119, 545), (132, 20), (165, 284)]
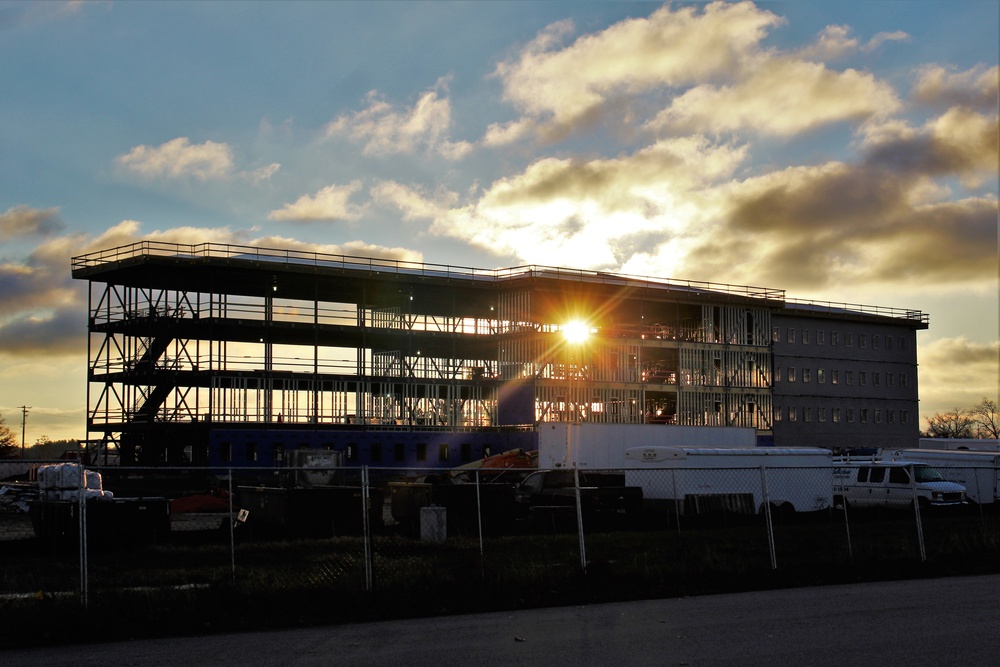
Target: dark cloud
[(64, 333), (23, 221)]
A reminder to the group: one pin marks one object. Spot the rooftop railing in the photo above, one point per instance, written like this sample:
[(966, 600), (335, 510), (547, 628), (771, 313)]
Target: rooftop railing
[(406, 267)]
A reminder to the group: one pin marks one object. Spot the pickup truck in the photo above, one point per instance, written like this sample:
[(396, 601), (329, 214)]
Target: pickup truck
[(603, 495)]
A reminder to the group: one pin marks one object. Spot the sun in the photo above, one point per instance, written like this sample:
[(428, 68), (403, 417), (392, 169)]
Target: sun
[(576, 331)]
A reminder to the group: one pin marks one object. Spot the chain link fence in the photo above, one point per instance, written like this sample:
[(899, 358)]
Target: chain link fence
[(295, 545)]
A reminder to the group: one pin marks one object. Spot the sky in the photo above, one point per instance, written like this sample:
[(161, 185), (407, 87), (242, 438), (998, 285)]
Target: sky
[(840, 151)]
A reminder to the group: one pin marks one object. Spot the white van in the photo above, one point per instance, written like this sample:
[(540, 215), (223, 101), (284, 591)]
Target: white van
[(888, 484), (978, 471)]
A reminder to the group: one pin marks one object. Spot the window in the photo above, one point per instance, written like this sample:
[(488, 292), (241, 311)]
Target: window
[(805, 336), (877, 413), (864, 415), (849, 376), (874, 341), (375, 453), (421, 451), (791, 335), (890, 415), (821, 414), (791, 374), (777, 374), (820, 376), (399, 452), (902, 344), (850, 415), (443, 453), (890, 379), (776, 334), (792, 414), (806, 374), (279, 452), (834, 338), (888, 342), (898, 476), (849, 340), (875, 379), (820, 335), (807, 414), (836, 415), (877, 475), (225, 452), (352, 452), (904, 416), (835, 377), (777, 413), (862, 340), (902, 379), (251, 451), (466, 452), (863, 378)]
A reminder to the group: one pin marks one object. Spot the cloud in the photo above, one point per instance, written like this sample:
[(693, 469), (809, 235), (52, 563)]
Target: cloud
[(179, 158), (978, 87), (843, 225), (583, 208), (385, 130), (782, 96), (412, 202), (959, 142), (328, 204), (834, 41), (689, 69), (21, 221), (957, 373), (261, 174), (559, 89), (59, 333), (881, 38)]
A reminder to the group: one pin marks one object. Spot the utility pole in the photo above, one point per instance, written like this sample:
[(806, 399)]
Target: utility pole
[(24, 419)]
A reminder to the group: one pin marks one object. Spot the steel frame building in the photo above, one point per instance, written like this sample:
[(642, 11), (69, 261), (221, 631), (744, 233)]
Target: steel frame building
[(195, 349)]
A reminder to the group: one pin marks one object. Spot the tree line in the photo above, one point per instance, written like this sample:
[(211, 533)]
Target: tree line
[(979, 421), (43, 449)]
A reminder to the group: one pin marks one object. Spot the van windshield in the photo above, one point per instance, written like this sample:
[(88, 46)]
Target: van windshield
[(927, 474)]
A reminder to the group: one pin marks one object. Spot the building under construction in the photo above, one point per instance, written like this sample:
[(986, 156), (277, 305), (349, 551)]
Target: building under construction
[(232, 355)]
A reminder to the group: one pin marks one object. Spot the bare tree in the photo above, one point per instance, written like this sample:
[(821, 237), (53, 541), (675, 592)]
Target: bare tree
[(955, 423), (8, 441), (986, 421)]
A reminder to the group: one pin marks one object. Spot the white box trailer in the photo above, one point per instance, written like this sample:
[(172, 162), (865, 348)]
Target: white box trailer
[(696, 480), (975, 444), (977, 471), (602, 446)]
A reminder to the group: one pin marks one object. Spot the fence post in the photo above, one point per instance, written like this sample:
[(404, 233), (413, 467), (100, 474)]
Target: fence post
[(767, 515), (916, 512), (82, 498), (479, 517), (232, 528), (579, 519), (367, 530), (677, 500)]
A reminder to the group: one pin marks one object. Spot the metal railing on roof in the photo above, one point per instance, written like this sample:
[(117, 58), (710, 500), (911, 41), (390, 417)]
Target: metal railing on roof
[(407, 267), (835, 308)]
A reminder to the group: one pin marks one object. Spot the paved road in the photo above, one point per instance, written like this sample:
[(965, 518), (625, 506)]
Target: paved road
[(953, 621)]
